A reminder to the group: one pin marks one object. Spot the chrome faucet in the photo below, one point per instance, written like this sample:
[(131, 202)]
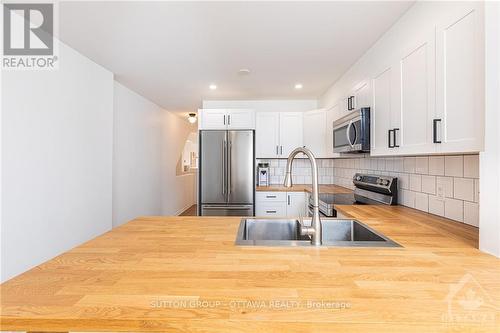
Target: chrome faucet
[(315, 229)]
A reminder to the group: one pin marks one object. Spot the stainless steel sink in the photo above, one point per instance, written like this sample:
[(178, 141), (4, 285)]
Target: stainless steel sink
[(286, 232)]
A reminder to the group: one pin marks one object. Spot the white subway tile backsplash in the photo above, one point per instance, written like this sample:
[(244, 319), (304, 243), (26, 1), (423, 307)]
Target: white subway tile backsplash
[(454, 166), (429, 184), (407, 198), (422, 165), (409, 164), (476, 190), (471, 213), (416, 183), (398, 164), (463, 189), (446, 185), (454, 209), (422, 201), (436, 205), (471, 166), (436, 165), (422, 182), (404, 181)]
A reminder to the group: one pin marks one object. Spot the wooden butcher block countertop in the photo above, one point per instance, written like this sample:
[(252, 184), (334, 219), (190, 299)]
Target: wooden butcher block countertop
[(184, 274), (302, 188)]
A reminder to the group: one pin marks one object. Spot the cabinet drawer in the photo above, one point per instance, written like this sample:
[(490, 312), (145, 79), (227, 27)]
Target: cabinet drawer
[(277, 209), (270, 197)]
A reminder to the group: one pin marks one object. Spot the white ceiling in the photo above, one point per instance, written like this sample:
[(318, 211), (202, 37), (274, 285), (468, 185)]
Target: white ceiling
[(170, 52)]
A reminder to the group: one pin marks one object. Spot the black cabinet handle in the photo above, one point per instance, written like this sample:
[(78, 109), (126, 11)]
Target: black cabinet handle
[(224, 119), (270, 211), (389, 139), (288, 200), (434, 130), (394, 135), (229, 119)]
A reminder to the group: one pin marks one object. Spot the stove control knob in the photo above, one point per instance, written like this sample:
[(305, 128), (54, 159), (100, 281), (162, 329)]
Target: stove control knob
[(385, 182), (358, 178)]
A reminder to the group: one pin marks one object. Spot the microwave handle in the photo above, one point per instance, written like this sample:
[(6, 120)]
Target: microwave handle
[(348, 134)]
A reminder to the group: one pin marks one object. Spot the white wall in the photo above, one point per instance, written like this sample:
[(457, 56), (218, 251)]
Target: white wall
[(137, 150), (56, 160), (264, 105), (178, 192), (489, 226), (148, 144)]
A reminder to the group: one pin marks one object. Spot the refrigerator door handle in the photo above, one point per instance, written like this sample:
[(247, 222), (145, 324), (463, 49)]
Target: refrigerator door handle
[(224, 167), (229, 168), (227, 207)]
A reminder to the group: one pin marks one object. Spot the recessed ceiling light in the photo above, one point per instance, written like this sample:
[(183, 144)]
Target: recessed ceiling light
[(298, 85), (212, 86), (244, 71)]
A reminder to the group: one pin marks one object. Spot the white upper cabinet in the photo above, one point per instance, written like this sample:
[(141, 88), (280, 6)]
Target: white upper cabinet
[(278, 133), (315, 132), (418, 96), (221, 119), (361, 95), (431, 98), (212, 119), (290, 132), (267, 134), (385, 111), (460, 79), (240, 119), (332, 114), (358, 97)]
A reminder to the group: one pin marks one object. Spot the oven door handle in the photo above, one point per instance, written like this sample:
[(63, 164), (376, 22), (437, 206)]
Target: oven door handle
[(348, 134)]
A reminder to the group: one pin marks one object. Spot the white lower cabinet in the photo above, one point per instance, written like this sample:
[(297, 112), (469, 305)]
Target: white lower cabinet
[(270, 209), (295, 204), (280, 204)]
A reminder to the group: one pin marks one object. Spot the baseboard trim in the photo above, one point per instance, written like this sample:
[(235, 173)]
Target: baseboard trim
[(182, 210)]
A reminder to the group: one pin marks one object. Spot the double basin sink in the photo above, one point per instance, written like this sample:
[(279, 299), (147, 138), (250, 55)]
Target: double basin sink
[(286, 232)]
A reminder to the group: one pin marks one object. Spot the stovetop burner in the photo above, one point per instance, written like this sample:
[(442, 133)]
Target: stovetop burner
[(337, 198)]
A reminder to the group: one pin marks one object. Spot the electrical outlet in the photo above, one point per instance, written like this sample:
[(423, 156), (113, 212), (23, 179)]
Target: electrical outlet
[(440, 192)]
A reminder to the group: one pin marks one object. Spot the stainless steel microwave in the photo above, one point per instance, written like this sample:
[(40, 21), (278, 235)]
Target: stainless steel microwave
[(351, 133)]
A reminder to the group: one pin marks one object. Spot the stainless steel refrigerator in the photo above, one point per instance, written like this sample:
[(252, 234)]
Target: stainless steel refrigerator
[(227, 173)]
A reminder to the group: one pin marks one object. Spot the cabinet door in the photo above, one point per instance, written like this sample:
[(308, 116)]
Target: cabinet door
[(274, 209), (380, 114), (212, 119), (290, 132), (315, 124), (417, 94), (295, 204), (267, 134), (240, 119), (332, 114), (362, 95), (460, 79)]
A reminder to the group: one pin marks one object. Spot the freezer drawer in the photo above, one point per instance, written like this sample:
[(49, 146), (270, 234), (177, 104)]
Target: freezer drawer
[(227, 210)]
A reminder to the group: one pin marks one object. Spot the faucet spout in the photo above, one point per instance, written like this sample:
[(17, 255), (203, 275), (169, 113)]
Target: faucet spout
[(315, 229)]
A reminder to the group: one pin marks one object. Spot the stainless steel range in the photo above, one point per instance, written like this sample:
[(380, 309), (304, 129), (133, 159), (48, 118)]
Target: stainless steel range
[(368, 189)]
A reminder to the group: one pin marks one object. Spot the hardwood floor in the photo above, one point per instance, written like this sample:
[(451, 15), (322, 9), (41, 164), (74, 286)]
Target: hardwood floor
[(191, 211)]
